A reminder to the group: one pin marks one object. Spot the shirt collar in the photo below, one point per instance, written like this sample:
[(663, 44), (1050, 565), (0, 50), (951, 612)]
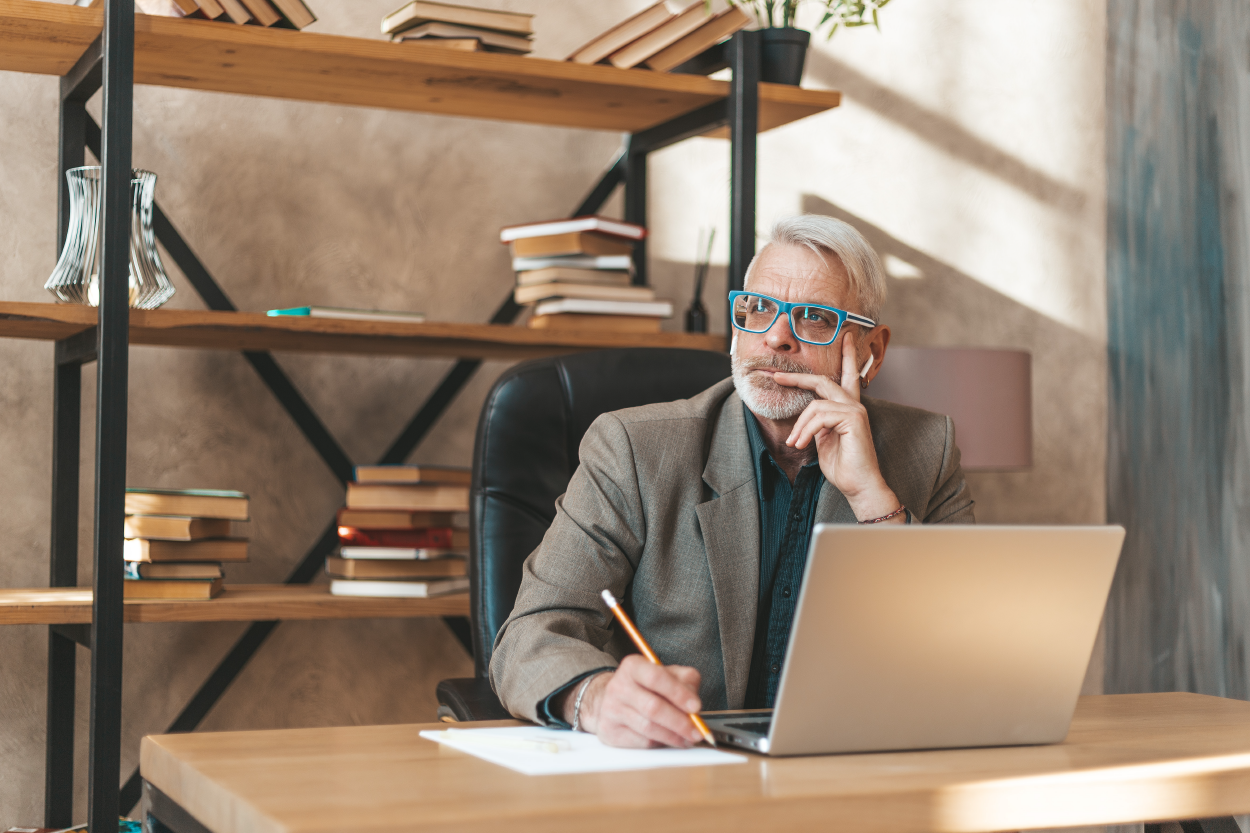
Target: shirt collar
[(765, 467)]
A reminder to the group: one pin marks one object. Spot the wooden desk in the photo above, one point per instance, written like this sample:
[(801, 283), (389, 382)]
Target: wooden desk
[(1127, 758)]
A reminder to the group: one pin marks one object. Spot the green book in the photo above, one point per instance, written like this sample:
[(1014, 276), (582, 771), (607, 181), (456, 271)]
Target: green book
[(345, 314)]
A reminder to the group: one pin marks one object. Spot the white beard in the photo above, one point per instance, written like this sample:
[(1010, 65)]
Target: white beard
[(761, 394)]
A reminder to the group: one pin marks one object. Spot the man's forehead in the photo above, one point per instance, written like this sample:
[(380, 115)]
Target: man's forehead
[(796, 273)]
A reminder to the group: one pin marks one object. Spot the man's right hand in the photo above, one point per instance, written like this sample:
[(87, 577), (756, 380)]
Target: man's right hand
[(640, 705)]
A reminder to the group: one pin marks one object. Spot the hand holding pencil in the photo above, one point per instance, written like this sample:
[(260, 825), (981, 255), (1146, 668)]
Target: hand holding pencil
[(645, 649)]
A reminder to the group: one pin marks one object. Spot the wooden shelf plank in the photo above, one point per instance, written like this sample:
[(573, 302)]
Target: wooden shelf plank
[(48, 38), (256, 331), (237, 603)]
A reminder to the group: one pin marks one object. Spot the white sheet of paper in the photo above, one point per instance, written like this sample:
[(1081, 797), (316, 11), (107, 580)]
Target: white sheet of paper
[(584, 753)]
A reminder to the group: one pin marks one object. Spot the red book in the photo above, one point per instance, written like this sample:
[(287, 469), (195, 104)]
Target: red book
[(430, 537)]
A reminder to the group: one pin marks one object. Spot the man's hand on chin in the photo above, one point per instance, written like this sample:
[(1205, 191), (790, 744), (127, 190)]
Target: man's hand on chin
[(838, 423), (640, 705)]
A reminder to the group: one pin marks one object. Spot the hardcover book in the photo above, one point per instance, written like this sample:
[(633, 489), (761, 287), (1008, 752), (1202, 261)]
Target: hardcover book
[(562, 274), (393, 519), (666, 34), (413, 474), (179, 589), (197, 503), (236, 11), (625, 32), (532, 294), (398, 589), (596, 323), (191, 570), (422, 11), (658, 309), (159, 551), (363, 568), (211, 9), (458, 44), (170, 528), (571, 243), (296, 12), (417, 496), (437, 537), (512, 43), (592, 222), (713, 31), (612, 262), (397, 553), (263, 12)]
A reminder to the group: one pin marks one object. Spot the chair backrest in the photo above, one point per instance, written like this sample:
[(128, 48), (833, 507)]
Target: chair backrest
[(526, 452)]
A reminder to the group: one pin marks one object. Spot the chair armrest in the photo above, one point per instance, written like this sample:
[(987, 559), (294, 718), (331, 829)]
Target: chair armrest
[(470, 699)]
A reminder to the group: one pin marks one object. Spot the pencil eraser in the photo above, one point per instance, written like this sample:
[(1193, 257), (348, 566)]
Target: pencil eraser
[(609, 598)]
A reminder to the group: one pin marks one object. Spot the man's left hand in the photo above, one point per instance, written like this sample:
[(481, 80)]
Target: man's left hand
[(838, 423)]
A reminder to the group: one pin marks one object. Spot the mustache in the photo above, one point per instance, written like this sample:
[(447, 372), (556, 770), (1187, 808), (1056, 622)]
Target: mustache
[(773, 362)]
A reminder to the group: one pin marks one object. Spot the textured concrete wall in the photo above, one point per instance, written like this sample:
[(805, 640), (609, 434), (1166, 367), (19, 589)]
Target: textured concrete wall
[(969, 150), (1179, 294)]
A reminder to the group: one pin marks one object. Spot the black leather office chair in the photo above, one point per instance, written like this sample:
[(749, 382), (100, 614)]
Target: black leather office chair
[(525, 454)]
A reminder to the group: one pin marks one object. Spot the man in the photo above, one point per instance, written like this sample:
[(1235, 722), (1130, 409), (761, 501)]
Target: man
[(698, 513)]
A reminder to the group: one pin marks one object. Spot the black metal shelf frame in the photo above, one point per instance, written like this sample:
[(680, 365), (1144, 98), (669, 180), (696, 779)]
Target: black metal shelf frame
[(109, 64)]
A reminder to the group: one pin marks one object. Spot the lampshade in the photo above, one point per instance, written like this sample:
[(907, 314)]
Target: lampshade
[(988, 393)]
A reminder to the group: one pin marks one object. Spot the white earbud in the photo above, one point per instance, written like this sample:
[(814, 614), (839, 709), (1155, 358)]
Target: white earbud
[(867, 366)]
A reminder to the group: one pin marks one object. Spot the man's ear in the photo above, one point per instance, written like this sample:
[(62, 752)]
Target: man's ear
[(876, 340)]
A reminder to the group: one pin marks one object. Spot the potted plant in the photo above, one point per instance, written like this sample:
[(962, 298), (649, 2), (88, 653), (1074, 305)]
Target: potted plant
[(783, 48)]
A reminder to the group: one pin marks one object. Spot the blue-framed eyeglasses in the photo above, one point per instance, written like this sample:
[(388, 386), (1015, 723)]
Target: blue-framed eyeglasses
[(810, 323)]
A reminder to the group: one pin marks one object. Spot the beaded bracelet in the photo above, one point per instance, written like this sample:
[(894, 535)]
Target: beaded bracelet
[(577, 704), (893, 514)]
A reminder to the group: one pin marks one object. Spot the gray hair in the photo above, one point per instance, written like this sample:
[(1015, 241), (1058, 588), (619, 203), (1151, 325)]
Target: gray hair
[(826, 235)]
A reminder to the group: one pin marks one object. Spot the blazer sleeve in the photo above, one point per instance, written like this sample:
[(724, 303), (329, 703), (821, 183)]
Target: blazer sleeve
[(951, 501), (560, 628)]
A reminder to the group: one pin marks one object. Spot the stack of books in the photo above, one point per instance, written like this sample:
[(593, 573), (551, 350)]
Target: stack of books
[(281, 14), (575, 273), (664, 36), (177, 539), (460, 27), (399, 534)]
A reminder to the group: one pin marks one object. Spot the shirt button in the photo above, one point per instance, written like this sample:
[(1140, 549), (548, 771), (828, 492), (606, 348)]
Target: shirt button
[(785, 591), (797, 516), (775, 668)]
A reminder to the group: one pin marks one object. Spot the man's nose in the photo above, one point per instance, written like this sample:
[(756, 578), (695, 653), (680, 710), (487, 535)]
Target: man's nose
[(780, 337)]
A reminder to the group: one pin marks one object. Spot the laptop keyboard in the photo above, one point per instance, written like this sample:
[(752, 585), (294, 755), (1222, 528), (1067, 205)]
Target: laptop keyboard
[(759, 727)]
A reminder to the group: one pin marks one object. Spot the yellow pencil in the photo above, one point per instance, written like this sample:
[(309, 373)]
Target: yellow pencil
[(628, 624)]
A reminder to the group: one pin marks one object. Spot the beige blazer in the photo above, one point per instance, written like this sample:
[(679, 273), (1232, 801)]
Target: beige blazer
[(664, 512)]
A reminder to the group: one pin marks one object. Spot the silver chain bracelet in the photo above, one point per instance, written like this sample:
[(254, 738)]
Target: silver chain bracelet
[(577, 704)]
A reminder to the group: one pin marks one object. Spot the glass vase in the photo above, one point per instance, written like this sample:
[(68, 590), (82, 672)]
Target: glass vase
[(75, 280)]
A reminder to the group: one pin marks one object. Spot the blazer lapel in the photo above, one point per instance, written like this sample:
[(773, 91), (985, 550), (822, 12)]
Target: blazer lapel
[(832, 507), (730, 525)]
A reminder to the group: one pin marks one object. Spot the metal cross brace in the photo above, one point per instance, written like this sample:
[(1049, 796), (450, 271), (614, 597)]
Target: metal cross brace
[(326, 446)]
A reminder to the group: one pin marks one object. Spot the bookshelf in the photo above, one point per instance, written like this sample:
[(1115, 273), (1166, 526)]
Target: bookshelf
[(115, 48), (205, 55), (237, 603), (256, 331)]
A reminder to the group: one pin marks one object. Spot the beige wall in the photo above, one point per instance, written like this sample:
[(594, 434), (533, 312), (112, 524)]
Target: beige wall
[(970, 148)]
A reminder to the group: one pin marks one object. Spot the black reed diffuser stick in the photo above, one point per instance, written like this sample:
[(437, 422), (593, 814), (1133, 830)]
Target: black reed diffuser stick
[(696, 315)]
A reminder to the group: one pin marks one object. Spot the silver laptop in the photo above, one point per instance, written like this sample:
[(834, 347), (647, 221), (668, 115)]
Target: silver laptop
[(934, 637)]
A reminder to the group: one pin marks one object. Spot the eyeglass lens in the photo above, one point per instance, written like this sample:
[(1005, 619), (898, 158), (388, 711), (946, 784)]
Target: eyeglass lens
[(756, 314)]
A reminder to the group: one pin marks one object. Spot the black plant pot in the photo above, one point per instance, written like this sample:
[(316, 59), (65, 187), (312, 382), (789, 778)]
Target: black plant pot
[(782, 53)]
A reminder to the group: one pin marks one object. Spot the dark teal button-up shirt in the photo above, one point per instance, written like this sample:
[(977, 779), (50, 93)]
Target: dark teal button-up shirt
[(787, 513)]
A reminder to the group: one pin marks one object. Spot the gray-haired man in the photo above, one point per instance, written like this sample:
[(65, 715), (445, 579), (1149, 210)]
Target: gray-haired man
[(697, 514)]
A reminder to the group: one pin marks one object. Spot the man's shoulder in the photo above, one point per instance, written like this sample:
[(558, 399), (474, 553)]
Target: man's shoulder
[(696, 410)]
